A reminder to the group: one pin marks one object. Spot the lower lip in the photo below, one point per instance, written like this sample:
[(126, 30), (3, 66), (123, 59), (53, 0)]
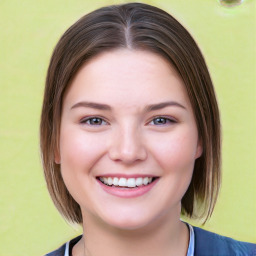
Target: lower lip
[(128, 192)]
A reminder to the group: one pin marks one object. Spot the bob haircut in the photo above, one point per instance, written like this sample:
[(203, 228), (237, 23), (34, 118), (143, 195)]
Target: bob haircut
[(135, 26)]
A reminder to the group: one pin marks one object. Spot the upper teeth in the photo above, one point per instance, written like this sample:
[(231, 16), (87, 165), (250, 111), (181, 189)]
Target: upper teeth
[(123, 182)]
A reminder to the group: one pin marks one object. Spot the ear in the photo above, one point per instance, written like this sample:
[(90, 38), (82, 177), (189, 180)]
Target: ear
[(199, 149), (57, 156)]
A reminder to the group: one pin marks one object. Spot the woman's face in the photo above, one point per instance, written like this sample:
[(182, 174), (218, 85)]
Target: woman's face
[(127, 121)]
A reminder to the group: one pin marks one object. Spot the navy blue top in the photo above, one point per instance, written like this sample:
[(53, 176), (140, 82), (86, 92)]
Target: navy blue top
[(205, 244), (211, 244)]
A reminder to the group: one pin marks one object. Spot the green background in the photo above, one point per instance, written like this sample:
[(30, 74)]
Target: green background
[(29, 29)]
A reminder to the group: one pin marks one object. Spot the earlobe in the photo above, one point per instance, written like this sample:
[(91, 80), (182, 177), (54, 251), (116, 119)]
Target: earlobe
[(57, 157), (199, 150)]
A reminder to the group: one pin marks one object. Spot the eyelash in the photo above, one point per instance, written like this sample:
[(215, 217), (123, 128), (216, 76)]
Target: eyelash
[(89, 119), (164, 119), (167, 120)]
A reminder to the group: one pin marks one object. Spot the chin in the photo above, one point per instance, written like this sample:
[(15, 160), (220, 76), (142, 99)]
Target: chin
[(131, 220), (134, 220), (128, 224)]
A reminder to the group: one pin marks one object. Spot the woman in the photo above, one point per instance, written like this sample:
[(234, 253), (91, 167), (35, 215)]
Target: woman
[(130, 136)]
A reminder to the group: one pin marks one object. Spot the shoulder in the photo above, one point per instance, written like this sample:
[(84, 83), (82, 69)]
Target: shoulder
[(58, 252), (61, 251), (208, 243)]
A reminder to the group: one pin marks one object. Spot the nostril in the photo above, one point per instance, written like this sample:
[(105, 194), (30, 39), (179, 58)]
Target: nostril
[(127, 157)]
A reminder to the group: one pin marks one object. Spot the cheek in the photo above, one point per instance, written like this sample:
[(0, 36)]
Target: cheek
[(176, 156), (177, 151), (79, 152)]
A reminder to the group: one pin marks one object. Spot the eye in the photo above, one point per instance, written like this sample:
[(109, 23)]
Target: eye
[(161, 120), (93, 121)]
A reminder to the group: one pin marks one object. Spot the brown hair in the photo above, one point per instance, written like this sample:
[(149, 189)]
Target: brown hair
[(134, 26)]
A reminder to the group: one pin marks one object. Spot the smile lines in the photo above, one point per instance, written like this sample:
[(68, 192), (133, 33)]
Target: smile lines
[(123, 182)]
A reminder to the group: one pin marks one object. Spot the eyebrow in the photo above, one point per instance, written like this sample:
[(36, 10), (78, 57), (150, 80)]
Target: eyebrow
[(95, 105), (161, 105), (148, 108)]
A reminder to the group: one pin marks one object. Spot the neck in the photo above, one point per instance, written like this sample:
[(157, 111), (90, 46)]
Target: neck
[(163, 238)]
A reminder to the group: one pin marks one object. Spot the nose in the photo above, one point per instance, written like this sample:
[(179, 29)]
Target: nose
[(127, 146)]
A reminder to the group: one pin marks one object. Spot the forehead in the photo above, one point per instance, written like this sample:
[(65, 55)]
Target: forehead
[(127, 76)]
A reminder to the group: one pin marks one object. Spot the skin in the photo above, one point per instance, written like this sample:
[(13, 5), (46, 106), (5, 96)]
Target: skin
[(129, 138)]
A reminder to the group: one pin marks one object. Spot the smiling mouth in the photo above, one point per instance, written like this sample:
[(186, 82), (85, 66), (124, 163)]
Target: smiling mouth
[(127, 182)]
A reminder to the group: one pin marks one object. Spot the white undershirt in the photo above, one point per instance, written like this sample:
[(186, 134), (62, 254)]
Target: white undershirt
[(67, 249)]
